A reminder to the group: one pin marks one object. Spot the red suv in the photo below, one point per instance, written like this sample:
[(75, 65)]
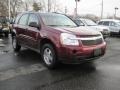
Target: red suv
[(57, 38)]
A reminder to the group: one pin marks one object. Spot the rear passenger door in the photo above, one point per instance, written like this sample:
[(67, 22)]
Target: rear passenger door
[(21, 27), (32, 33)]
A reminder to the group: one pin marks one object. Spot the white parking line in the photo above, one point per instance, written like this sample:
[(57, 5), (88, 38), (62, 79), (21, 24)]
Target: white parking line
[(12, 73), (1, 44)]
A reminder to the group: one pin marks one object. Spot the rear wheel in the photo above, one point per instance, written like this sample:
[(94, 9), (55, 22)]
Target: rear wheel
[(15, 44), (49, 56)]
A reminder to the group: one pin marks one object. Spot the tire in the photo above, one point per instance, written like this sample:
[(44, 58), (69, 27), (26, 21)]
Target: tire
[(111, 34), (119, 33), (49, 56), (6, 34), (16, 46)]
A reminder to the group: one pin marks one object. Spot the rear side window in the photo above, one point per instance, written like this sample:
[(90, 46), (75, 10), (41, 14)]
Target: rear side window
[(23, 19), (106, 23), (33, 18)]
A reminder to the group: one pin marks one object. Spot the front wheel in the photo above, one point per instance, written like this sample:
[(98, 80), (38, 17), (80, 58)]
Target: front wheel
[(15, 44), (6, 34), (49, 56)]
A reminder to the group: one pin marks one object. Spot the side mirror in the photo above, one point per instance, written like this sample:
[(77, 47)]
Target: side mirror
[(34, 24)]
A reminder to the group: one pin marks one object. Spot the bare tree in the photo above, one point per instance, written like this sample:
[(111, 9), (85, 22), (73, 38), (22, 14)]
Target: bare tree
[(15, 4), (3, 8), (26, 5), (37, 6), (54, 6)]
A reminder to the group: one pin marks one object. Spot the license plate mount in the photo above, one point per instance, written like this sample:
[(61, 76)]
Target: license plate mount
[(97, 52)]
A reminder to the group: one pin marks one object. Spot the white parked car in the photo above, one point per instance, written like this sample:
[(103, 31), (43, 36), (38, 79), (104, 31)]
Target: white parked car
[(89, 23), (112, 24)]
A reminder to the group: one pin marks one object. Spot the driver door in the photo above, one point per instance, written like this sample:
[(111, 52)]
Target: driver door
[(32, 33)]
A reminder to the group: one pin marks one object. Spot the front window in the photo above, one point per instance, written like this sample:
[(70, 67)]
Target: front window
[(23, 19), (89, 22), (33, 18), (57, 20)]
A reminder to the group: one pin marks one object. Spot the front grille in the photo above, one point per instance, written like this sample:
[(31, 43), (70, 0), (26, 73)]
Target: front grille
[(85, 36), (92, 42), (106, 30)]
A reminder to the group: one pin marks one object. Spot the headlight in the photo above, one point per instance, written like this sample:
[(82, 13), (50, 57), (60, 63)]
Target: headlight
[(69, 39)]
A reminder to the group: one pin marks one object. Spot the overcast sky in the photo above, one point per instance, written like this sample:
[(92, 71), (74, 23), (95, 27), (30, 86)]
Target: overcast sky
[(92, 6)]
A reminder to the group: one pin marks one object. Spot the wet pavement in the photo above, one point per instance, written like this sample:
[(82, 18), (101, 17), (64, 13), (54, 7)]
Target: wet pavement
[(26, 71), (5, 45)]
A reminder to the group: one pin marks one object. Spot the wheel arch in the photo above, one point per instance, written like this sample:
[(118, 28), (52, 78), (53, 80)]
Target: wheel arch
[(47, 41)]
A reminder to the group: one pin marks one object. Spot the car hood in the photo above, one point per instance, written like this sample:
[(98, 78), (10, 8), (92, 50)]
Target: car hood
[(79, 31), (100, 28)]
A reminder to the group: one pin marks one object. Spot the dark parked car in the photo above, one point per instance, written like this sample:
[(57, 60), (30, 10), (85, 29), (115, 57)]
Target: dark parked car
[(4, 28), (57, 38)]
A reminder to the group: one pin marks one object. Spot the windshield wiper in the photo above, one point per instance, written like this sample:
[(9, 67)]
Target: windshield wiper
[(53, 25), (62, 25)]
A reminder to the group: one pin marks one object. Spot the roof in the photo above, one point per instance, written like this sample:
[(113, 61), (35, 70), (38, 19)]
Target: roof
[(44, 13), (115, 20)]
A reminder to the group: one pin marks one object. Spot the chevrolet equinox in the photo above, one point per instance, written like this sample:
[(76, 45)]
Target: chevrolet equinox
[(57, 38)]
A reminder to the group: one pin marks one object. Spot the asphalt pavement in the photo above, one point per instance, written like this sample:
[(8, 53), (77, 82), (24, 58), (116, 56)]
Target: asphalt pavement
[(26, 71)]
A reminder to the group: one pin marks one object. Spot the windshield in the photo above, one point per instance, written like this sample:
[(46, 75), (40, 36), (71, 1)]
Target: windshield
[(89, 22), (57, 20)]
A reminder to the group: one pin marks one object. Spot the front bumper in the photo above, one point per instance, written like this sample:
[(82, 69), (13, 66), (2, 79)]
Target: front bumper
[(80, 54)]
